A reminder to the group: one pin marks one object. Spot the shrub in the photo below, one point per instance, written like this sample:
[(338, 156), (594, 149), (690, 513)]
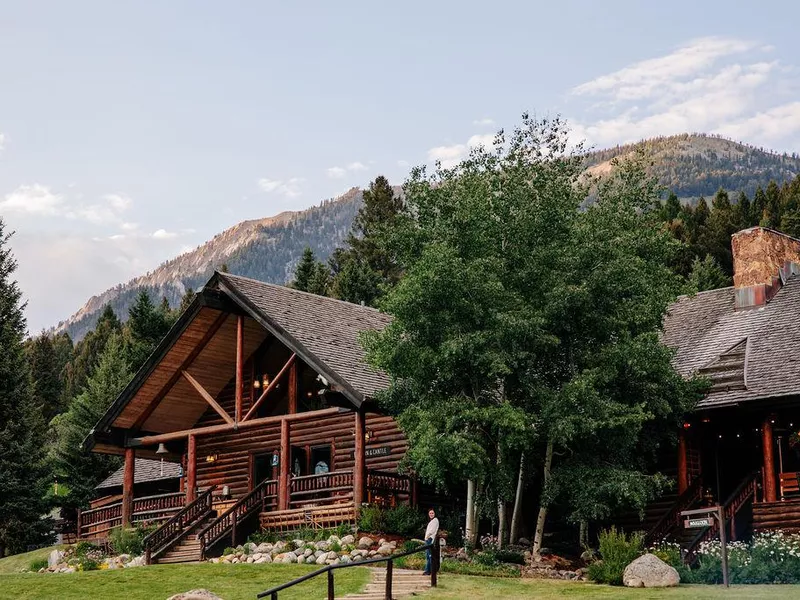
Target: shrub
[(39, 563), (87, 564), (510, 556), (403, 520), (451, 523), (372, 519), (263, 537), (228, 551), (83, 548), (771, 557), (487, 558), (617, 551), (127, 540)]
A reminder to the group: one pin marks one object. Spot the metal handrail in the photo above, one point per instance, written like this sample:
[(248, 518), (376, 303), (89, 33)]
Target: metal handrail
[(176, 519), (329, 569)]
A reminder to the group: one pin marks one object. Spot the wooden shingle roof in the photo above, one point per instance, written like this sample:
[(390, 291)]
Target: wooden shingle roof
[(749, 354), (326, 328), (145, 470)]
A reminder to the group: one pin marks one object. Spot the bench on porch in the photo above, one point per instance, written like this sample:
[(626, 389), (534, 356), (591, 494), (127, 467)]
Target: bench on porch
[(790, 485), (318, 517)]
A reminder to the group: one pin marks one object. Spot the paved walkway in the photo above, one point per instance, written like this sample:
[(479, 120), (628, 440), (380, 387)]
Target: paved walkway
[(405, 584)]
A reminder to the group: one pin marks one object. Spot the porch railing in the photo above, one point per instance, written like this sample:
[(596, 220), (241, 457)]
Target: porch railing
[(386, 482), (746, 490), (179, 525), (263, 496), (672, 518), (320, 488), (97, 522)]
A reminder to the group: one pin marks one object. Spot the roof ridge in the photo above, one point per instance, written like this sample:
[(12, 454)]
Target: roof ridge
[(292, 290)]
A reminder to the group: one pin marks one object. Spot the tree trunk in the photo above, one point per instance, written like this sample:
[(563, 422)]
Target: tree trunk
[(501, 528), (583, 535), (469, 526), (537, 540), (516, 517)]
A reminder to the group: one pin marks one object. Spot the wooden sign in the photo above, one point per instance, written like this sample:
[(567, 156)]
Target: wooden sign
[(381, 451), (697, 523)]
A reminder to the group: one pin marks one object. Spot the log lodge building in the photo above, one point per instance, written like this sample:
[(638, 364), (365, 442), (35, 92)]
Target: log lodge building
[(262, 395)]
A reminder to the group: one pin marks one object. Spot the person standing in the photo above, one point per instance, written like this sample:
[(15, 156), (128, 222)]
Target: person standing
[(430, 536)]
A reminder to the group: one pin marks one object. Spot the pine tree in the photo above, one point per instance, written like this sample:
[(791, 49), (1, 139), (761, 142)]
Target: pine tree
[(707, 275), (741, 212), (771, 216), (671, 208), (145, 328), (187, 300), (758, 207), (320, 280), (22, 475), (305, 271), (79, 469), (46, 372), (87, 353)]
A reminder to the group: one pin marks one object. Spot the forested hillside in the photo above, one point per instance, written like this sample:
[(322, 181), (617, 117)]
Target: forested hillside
[(691, 166)]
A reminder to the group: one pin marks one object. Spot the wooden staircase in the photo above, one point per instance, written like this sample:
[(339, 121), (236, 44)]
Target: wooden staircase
[(187, 549)]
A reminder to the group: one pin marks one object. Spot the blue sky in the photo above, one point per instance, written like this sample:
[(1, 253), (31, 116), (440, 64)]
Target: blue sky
[(130, 132)]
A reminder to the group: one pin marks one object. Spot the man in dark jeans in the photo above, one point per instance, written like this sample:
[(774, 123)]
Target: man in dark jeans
[(430, 535)]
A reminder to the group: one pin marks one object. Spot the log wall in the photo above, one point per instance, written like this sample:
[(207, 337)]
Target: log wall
[(777, 515)]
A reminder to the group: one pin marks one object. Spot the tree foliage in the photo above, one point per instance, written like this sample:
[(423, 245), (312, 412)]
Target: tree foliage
[(22, 473)]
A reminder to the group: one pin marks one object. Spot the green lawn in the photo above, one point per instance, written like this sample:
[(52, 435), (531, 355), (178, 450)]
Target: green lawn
[(14, 564), (452, 587), (158, 582)]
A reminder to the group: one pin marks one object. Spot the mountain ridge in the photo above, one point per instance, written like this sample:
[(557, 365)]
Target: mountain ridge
[(267, 249)]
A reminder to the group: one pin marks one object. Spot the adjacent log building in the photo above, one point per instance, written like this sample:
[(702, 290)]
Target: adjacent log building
[(262, 395)]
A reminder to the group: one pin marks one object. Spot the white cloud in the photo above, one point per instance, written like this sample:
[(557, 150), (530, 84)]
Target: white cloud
[(2, 141), (483, 122), (289, 188), (709, 85), (341, 172), (163, 234), (35, 199), (119, 202), (403, 163), (336, 172), (450, 156), (129, 226)]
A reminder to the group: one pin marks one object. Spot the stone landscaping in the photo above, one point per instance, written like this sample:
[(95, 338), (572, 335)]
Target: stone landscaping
[(68, 561), (333, 551)]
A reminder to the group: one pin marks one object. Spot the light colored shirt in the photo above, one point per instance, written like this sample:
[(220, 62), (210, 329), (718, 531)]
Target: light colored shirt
[(433, 528)]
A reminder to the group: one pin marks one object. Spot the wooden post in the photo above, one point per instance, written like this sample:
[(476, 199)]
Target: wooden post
[(191, 470), (435, 559), (78, 526), (239, 367), (389, 568), (286, 457), (127, 486), (293, 388), (359, 468), (331, 594), (683, 467), (769, 461)]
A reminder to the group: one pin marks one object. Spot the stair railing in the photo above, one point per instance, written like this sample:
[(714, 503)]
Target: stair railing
[(229, 520), (178, 526), (747, 489), (672, 518), (389, 560)]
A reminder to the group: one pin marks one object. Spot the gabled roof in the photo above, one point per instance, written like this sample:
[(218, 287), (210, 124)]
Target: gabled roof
[(327, 329), (750, 354), (322, 331), (144, 471)]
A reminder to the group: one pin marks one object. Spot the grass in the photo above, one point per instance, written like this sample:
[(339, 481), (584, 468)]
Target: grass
[(231, 582), (456, 587), (14, 564)]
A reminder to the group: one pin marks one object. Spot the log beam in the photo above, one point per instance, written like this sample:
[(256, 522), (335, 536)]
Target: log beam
[(191, 470), (293, 388), (127, 486), (272, 385), (187, 362), (769, 460), (283, 481), (360, 467), (207, 397), (152, 440), (683, 466), (239, 367)]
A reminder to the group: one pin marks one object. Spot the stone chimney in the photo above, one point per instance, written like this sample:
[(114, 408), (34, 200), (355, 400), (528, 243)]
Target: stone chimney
[(762, 261)]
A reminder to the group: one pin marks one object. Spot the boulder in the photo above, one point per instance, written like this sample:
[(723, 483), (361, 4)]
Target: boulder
[(348, 539), (524, 542), (323, 545), (385, 550), (289, 558), (195, 595), (264, 548), (365, 542), (136, 562), (54, 558), (321, 559), (650, 571)]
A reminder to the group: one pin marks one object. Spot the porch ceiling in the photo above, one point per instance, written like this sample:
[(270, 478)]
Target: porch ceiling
[(213, 368)]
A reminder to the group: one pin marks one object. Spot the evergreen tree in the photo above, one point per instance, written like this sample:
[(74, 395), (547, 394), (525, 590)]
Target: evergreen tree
[(187, 300), (707, 275), (87, 353), (356, 282), (23, 482), (46, 372), (721, 226), (672, 207), (319, 283), (82, 470), (772, 210), (146, 326), (741, 212), (790, 218), (305, 270), (758, 208)]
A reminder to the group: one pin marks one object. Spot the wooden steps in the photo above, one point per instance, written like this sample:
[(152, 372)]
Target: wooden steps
[(187, 550), (405, 584)]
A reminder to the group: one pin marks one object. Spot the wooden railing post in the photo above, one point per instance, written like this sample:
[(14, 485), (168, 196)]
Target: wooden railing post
[(435, 559), (286, 457), (389, 569), (359, 455), (191, 470), (330, 585), (233, 529), (79, 525), (769, 460), (127, 487)]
